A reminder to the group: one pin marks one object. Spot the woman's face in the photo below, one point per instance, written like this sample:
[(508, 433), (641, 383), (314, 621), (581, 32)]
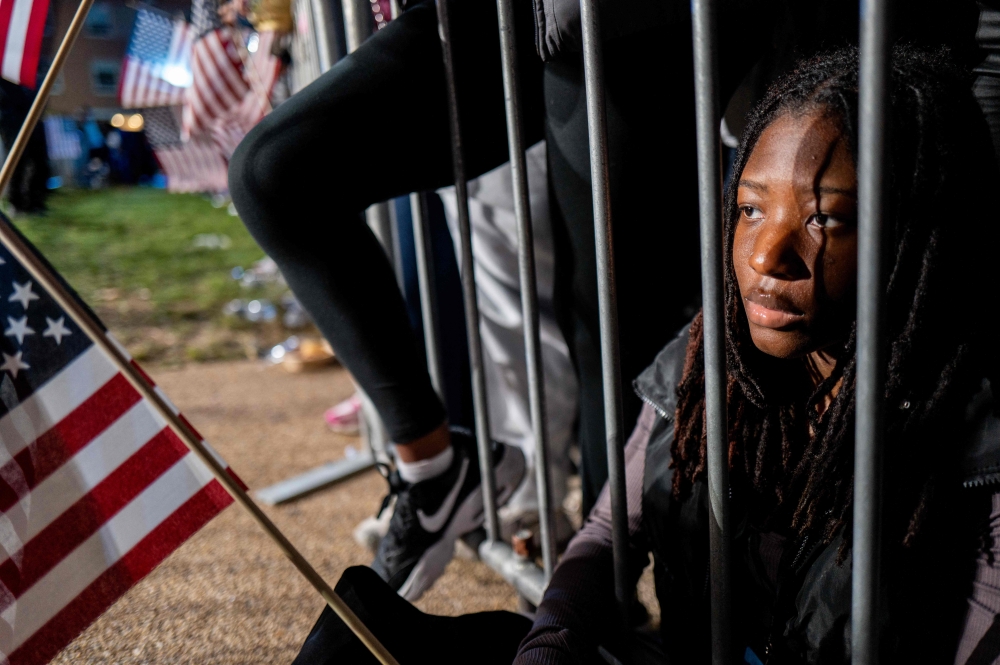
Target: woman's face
[(795, 246)]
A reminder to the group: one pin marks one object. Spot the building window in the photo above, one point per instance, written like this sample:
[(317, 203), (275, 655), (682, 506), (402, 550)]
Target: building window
[(104, 77), (100, 22)]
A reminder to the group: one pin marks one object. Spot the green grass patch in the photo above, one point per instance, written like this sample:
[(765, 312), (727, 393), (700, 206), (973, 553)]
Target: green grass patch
[(156, 267)]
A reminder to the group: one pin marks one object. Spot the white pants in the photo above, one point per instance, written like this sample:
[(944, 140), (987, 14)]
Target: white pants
[(494, 248)]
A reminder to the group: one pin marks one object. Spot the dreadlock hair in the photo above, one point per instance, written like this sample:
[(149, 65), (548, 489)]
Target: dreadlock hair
[(798, 465)]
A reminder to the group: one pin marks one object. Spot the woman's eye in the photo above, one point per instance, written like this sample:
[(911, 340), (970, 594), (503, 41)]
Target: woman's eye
[(824, 221), (751, 213)]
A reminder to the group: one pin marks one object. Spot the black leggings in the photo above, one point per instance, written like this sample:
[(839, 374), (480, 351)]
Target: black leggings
[(301, 179), (373, 127)]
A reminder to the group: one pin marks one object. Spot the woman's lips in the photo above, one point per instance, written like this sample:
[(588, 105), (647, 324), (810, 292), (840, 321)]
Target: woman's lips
[(771, 310)]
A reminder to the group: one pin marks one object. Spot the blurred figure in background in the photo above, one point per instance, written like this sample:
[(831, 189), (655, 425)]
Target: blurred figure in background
[(28, 189)]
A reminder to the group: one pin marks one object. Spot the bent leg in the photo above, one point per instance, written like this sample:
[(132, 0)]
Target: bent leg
[(303, 176)]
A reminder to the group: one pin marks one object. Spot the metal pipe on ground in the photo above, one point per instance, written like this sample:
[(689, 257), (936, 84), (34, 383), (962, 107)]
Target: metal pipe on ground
[(529, 286), (872, 134), (593, 67), (469, 282), (706, 76)]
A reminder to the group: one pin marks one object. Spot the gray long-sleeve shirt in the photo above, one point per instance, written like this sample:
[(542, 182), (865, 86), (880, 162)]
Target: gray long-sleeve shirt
[(574, 615)]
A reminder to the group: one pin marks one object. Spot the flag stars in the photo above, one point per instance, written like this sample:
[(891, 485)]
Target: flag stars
[(56, 329), (13, 364), (18, 329), (23, 294)]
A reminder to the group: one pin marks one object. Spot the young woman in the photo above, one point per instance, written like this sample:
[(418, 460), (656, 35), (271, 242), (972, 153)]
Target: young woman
[(790, 276), (790, 289)]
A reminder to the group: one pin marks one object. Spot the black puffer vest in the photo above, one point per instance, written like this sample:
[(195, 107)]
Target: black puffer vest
[(805, 618)]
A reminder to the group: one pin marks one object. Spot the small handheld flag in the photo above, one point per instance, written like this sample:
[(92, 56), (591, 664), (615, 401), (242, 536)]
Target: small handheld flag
[(95, 488), (22, 26)]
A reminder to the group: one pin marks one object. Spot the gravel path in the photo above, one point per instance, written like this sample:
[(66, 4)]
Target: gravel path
[(227, 595)]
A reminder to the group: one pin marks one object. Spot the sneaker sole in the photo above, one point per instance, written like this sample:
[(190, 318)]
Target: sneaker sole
[(469, 516)]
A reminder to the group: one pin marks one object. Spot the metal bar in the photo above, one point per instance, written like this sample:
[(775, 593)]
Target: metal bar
[(872, 102), (397, 249), (529, 286), (357, 23), (527, 579), (593, 66), (469, 282), (380, 222), (323, 29), (706, 76), (316, 479), (428, 290)]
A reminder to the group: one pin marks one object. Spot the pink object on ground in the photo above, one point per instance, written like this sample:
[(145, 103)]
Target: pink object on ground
[(343, 418)]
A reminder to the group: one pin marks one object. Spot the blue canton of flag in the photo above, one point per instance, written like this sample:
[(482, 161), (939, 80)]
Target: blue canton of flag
[(205, 16), (157, 68), (151, 38), (38, 338)]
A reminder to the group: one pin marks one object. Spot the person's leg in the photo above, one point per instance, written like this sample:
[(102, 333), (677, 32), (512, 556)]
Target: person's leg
[(303, 176), (301, 180)]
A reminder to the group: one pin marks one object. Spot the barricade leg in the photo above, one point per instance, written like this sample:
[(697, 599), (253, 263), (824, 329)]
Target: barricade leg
[(593, 66), (872, 99), (703, 22), (469, 283), (529, 288)]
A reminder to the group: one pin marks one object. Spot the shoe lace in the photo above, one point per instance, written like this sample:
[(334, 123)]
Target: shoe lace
[(395, 482)]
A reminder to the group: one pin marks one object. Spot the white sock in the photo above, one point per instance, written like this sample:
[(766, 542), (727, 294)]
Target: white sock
[(424, 469)]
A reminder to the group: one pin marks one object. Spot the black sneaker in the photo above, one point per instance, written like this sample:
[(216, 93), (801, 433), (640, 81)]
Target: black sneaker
[(431, 515)]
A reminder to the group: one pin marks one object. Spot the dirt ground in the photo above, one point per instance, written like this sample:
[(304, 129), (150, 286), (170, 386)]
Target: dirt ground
[(227, 595)]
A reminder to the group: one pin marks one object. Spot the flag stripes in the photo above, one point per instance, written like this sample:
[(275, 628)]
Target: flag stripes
[(157, 68), (53, 401), (84, 589), (89, 472), (22, 24), (196, 166), (54, 448), (218, 82), (71, 620)]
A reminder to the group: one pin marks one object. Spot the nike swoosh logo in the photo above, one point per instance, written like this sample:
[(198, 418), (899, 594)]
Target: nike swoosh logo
[(434, 523)]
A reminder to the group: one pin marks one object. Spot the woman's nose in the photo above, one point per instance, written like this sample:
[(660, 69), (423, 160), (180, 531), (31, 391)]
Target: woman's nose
[(775, 251)]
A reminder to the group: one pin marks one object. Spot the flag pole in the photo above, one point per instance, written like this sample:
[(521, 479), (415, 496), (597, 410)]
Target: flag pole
[(255, 81), (83, 318), (35, 112)]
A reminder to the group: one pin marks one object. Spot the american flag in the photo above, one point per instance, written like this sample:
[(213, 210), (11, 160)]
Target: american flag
[(262, 71), (95, 489), (196, 165), (157, 69), (62, 138), (22, 25), (218, 82)]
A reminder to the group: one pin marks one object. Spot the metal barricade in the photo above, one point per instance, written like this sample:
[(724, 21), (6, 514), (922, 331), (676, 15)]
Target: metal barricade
[(593, 68), (707, 119), (528, 578), (469, 282), (873, 84)]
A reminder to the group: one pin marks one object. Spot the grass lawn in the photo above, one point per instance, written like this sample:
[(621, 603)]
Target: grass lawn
[(138, 256)]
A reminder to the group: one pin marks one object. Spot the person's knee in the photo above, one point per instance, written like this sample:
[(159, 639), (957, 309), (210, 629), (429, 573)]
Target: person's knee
[(263, 180)]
